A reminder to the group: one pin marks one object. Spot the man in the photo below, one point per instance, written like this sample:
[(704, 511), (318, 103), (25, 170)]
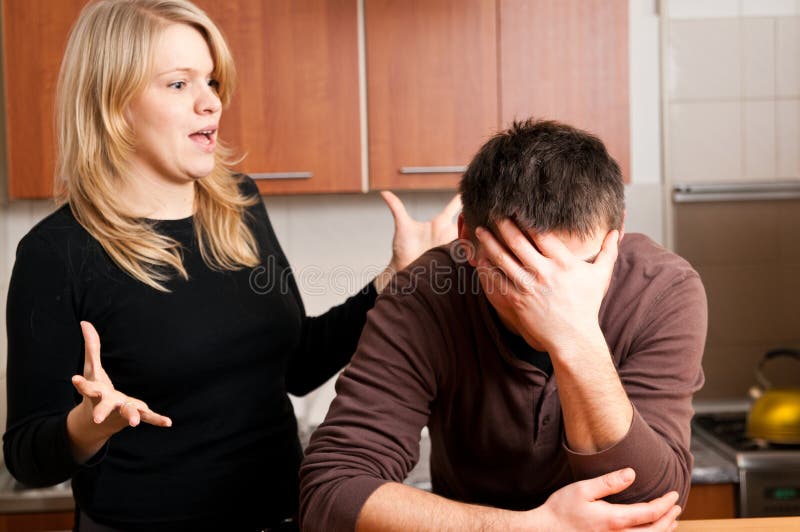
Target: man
[(574, 355)]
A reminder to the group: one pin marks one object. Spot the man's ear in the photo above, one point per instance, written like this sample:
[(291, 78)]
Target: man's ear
[(622, 227), (467, 240)]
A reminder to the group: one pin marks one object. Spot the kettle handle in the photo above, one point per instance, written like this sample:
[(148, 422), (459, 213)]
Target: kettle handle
[(771, 354)]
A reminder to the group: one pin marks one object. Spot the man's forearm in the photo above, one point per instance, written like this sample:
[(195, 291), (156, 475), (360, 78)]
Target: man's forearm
[(597, 411), (397, 507)]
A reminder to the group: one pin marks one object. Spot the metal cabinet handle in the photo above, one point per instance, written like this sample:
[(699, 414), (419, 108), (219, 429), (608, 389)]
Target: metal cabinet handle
[(282, 175), (433, 169), (686, 193)]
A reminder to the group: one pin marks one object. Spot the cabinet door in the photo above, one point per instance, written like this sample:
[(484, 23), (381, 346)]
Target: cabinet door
[(431, 88), (295, 111), (34, 36), (568, 60)]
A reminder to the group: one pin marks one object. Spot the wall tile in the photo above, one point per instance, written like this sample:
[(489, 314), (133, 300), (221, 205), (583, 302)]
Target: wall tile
[(742, 302), (788, 138), (729, 371), (704, 59), (644, 210), (728, 233), (682, 9), (770, 8), (705, 142), (758, 57), (789, 234), (788, 316), (759, 140), (787, 53)]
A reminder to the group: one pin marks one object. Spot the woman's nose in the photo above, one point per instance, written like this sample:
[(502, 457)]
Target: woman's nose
[(208, 101)]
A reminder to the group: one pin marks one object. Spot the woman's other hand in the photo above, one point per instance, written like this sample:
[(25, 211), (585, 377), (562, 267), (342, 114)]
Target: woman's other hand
[(412, 238), (104, 410)]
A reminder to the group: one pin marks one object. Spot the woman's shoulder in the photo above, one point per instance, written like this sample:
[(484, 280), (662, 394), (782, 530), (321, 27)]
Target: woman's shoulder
[(55, 233), (246, 184)]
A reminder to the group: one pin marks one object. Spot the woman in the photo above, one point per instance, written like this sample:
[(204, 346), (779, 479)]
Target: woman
[(167, 256)]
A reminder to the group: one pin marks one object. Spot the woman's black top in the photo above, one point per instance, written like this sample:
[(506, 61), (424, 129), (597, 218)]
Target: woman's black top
[(217, 354)]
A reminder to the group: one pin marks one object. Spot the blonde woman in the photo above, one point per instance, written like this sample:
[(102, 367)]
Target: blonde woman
[(181, 420)]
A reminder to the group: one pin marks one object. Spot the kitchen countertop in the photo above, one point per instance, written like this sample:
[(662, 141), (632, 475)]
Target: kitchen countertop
[(16, 499), (758, 524)]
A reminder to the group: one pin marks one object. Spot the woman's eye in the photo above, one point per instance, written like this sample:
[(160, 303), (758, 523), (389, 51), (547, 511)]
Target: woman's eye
[(214, 84), (177, 85)]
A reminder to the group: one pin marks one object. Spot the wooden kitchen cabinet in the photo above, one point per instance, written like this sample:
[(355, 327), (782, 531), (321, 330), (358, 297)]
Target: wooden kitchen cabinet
[(295, 110), (441, 77), (37, 522), (431, 88), (296, 105), (34, 36), (568, 60), (711, 501)]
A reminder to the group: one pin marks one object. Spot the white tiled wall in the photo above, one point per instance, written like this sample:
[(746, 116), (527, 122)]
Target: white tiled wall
[(732, 70)]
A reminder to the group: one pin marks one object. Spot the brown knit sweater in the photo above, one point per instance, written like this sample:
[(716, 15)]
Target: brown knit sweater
[(431, 354)]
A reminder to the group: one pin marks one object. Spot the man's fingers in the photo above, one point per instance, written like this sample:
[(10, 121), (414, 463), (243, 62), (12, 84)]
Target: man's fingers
[(552, 247), (519, 244), (644, 514), (608, 484), (91, 341), (666, 523), (608, 253), (500, 258), (395, 205)]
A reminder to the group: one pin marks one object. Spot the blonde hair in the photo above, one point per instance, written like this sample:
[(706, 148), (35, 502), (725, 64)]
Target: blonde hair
[(106, 64)]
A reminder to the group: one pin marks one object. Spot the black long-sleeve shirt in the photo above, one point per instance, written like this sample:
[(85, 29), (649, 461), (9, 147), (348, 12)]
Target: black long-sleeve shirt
[(218, 355)]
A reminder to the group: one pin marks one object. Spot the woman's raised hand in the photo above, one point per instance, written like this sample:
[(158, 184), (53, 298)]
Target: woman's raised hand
[(412, 238), (104, 410)]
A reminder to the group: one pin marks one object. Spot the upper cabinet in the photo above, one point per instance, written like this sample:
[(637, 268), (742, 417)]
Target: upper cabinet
[(431, 89), (295, 112), (34, 37), (568, 60), (431, 80)]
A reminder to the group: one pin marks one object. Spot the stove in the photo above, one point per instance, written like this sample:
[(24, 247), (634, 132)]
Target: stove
[(769, 474)]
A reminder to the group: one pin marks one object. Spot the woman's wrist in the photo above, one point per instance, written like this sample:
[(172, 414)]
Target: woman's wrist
[(85, 436), (385, 277)]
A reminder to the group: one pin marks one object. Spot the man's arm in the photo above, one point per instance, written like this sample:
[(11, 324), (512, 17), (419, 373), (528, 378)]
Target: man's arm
[(578, 506), (552, 299), (634, 416)]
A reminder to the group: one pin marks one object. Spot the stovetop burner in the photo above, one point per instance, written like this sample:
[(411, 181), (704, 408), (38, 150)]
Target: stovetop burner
[(728, 432)]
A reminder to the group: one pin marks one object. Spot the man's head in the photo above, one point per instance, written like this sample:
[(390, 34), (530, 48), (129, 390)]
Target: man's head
[(547, 177)]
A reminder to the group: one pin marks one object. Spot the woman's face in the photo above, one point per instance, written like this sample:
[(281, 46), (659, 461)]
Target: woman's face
[(175, 117)]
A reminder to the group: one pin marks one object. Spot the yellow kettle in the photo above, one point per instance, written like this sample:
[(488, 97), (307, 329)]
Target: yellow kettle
[(775, 414)]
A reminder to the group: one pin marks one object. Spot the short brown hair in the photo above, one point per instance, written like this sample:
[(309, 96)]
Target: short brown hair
[(546, 176)]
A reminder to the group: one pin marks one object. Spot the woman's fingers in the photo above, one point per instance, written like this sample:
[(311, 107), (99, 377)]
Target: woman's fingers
[(451, 209), (150, 417), (396, 206), (86, 388), (91, 341)]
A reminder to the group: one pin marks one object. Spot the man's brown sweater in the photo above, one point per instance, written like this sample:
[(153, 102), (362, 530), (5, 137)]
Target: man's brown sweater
[(432, 354)]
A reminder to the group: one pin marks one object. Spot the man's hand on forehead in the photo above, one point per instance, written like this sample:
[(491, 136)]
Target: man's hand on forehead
[(556, 283)]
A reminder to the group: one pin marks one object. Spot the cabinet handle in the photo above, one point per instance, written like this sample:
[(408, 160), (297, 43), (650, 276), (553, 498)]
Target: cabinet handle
[(682, 193), (282, 175), (433, 169)]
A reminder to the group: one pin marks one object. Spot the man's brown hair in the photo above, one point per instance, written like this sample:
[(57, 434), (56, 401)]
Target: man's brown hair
[(545, 176)]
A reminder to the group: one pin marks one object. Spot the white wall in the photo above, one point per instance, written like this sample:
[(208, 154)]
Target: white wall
[(352, 233)]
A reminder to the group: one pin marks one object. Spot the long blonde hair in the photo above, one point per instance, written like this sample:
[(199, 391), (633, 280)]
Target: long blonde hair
[(106, 64)]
